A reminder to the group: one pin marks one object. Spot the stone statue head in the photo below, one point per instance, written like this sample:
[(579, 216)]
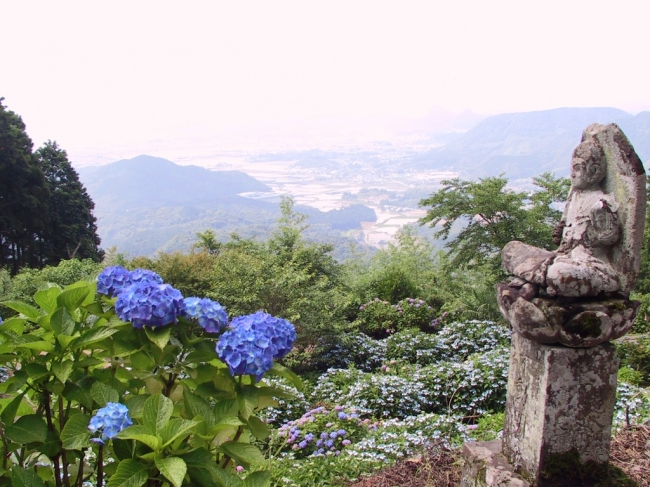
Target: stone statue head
[(588, 165)]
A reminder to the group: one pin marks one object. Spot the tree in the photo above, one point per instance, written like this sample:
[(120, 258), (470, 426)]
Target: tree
[(643, 281), (23, 197), (492, 215), (72, 228)]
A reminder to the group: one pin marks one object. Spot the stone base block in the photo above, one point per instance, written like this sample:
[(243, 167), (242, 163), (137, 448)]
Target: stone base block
[(559, 407), (486, 466)]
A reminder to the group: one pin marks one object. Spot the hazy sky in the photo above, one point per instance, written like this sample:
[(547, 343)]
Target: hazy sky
[(92, 74)]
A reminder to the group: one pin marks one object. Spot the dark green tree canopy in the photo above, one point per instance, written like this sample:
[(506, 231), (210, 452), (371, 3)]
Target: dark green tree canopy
[(23, 196), (72, 231), (491, 215), (45, 212)]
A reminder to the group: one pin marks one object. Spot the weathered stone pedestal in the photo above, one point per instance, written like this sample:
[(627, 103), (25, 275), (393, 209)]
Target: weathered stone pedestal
[(559, 413)]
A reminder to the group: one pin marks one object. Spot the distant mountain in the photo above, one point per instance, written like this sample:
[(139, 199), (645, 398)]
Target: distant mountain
[(522, 145), (147, 204), (151, 182)]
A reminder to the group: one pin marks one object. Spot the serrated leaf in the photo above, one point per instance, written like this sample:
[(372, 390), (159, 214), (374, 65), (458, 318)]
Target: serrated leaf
[(136, 405), (38, 346), (173, 468), (22, 477), (103, 394), (36, 371), (288, 374), (92, 336), (175, 428), (260, 478), (157, 411), (14, 324), (9, 412), (75, 434), (225, 408), (62, 322), (245, 453), (27, 429), (27, 310), (198, 458), (258, 428), (51, 446), (129, 473), (143, 434), (46, 298), (197, 406), (64, 340), (72, 297), (247, 399), (159, 336), (62, 370), (95, 309), (224, 478)]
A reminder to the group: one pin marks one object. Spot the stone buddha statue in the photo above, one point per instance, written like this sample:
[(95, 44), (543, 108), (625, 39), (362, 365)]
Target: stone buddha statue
[(599, 238)]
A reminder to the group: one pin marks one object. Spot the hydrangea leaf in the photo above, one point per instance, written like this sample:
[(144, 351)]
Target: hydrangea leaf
[(62, 370), (14, 324), (27, 310), (103, 394), (223, 478), (129, 473), (159, 336), (258, 428), (93, 336), (143, 434), (72, 298), (75, 434), (27, 429), (175, 428), (9, 412), (282, 371), (245, 453), (46, 298), (225, 408), (173, 468), (62, 322), (197, 406), (258, 479), (36, 345), (157, 411), (247, 398), (36, 371), (23, 477)]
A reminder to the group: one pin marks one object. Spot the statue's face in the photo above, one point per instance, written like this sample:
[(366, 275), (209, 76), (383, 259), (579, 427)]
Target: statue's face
[(587, 174)]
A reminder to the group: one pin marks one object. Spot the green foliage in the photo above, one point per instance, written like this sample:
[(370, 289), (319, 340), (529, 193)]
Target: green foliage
[(634, 353), (642, 319), (45, 212), (72, 229), (493, 215), (23, 197), (70, 355), (378, 319), (643, 281)]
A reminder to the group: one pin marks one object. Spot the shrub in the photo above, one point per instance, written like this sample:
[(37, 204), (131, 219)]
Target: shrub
[(414, 347), (378, 318), (356, 349), (635, 354), (632, 405), (642, 320), (415, 313), (334, 383), (291, 403)]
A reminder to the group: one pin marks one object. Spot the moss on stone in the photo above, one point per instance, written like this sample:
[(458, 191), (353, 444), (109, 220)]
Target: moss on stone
[(588, 325), (566, 470)]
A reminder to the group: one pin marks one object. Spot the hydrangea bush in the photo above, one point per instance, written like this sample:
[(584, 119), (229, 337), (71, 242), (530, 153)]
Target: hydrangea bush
[(126, 381)]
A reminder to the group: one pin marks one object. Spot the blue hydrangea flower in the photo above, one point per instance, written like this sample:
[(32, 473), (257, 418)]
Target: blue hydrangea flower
[(1, 322), (144, 275), (210, 314), (253, 341), (112, 280), (109, 421), (147, 304)]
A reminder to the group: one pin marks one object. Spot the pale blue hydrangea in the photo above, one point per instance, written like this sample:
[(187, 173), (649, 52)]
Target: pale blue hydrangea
[(148, 304), (210, 315), (109, 421)]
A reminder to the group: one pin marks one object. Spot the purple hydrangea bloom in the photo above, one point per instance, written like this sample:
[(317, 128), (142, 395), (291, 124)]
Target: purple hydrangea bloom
[(112, 280), (109, 421), (148, 304), (253, 342), (210, 314)]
